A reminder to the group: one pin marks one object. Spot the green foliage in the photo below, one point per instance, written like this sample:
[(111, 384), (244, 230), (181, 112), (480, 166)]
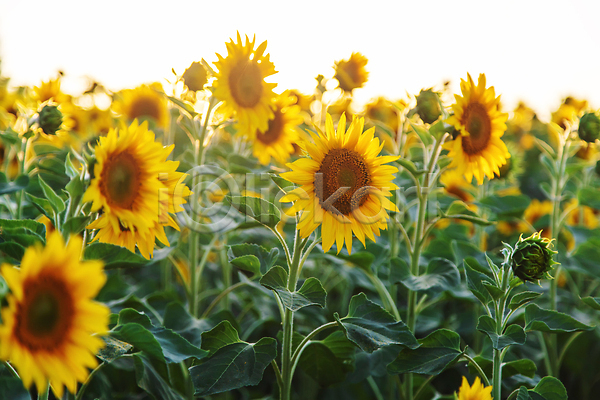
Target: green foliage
[(311, 292)]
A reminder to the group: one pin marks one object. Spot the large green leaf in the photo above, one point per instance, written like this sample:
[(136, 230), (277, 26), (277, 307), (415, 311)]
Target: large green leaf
[(590, 197), (153, 380), (321, 364), (521, 366), (22, 226), (441, 274), (520, 299), (371, 327), (119, 257), (538, 319), (311, 293), (551, 388), (587, 255), (19, 183), (593, 302), (476, 279), (252, 257), (58, 204), (12, 388), (232, 363), (514, 334), (41, 204), (257, 209), (437, 352), (506, 206)]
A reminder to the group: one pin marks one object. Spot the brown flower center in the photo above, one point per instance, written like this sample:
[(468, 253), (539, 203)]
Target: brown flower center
[(120, 180), (145, 106), (246, 83), (274, 131), (479, 126), (342, 182), (45, 315)]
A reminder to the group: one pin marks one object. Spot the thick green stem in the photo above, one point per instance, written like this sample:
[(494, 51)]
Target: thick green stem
[(497, 354)]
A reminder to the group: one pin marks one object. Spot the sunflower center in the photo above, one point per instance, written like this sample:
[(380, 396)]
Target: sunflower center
[(121, 180), (479, 126), (144, 107), (274, 131), (246, 83), (342, 182), (46, 313)]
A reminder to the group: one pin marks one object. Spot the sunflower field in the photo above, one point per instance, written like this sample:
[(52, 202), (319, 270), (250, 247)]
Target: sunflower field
[(216, 236)]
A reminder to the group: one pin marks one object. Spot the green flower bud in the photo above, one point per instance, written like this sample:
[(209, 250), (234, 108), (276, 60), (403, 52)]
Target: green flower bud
[(428, 106), (589, 127), (195, 76), (50, 119), (531, 259)]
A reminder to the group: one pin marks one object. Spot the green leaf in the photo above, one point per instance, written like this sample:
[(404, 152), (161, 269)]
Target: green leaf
[(113, 256), (70, 168), (43, 205), (184, 106), (523, 394), (58, 205), (475, 280), (362, 259), (113, 349), (514, 333), (409, 166), (459, 207), (423, 134), (371, 327), (238, 256), (74, 188), (311, 292), (587, 254), (240, 165), (12, 249), (283, 184), (441, 275), (506, 206), (19, 183), (520, 299), (76, 225), (232, 363), (551, 388), (16, 224), (321, 364), (538, 319), (522, 366), (3, 288), (152, 381), (590, 197), (257, 209), (593, 302), (437, 352), (12, 388)]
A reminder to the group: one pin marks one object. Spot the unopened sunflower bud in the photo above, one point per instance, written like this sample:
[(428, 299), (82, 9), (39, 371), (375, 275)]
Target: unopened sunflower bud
[(531, 259), (50, 119), (195, 76), (589, 127), (428, 106)]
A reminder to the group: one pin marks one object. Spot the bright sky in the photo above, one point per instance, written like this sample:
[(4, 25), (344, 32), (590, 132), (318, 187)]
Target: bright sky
[(539, 51)]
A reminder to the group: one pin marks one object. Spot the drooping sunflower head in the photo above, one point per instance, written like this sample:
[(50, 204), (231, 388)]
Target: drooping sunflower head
[(351, 73), (135, 187), (344, 185), (240, 84), (479, 150), (277, 141), (49, 328), (143, 103), (475, 392)]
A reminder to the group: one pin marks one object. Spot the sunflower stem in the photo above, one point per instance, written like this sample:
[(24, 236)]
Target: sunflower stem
[(23, 156), (497, 354)]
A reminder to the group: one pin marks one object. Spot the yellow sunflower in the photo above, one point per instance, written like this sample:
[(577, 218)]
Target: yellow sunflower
[(475, 392), (241, 86), (351, 74), (136, 188), (50, 91), (478, 150), (277, 141), (344, 185), (455, 185), (143, 102), (49, 329)]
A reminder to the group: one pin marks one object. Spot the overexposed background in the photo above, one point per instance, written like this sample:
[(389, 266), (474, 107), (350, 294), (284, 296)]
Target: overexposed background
[(539, 51)]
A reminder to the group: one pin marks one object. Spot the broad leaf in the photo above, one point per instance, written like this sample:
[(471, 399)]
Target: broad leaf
[(321, 364), (12, 388), (441, 274), (506, 206), (476, 279), (154, 381), (538, 319), (371, 327), (55, 201), (257, 209), (19, 183), (437, 352), (593, 302), (252, 257), (520, 299), (551, 388), (311, 292), (514, 334)]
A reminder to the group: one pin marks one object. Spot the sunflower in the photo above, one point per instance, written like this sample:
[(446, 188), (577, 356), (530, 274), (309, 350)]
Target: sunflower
[(136, 188), (277, 141), (351, 74), (241, 86), (143, 102), (478, 150), (49, 328), (50, 91), (455, 185), (475, 392), (344, 185)]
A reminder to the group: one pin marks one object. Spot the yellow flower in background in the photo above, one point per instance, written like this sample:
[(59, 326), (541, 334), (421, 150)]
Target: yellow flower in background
[(478, 150), (53, 126), (455, 185), (475, 392), (49, 328), (582, 215), (240, 84), (195, 77), (344, 185), (50, 91), (351, 74), (384, 111), (101, 120), (532, 214), (136, 188), (142, 103), (568, 112), (282, 132)]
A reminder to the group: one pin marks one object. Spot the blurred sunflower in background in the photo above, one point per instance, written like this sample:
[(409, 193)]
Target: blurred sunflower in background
[(136, 188), (351, 73), (344, 185), (240, 85), (49, 329), (477, 150), (145, 102), (277, 141), (475, 392)]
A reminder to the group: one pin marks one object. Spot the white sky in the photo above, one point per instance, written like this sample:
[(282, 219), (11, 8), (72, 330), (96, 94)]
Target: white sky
[(536, 50)]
